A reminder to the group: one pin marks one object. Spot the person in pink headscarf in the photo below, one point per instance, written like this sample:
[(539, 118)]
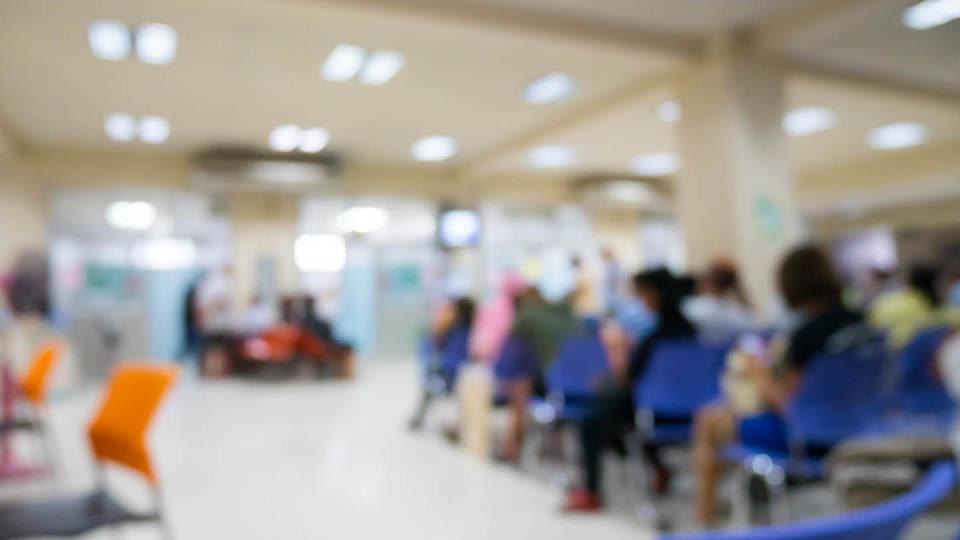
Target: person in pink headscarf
[(494, 319)]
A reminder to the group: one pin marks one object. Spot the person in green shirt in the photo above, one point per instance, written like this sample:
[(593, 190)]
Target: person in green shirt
[(537, 333), (901, 313)]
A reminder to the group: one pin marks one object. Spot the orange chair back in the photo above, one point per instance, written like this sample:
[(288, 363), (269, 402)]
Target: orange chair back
[(118, 433), (36, 380)]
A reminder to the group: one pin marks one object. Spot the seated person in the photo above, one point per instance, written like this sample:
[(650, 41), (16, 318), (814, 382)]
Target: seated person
[(540, 327), (904, 311), (315, 326), (809, 286), (612, 413), (720, 310), (256, 317)]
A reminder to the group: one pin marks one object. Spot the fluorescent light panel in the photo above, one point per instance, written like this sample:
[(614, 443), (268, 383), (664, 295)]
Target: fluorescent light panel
[(381, 66), (434, 148), (156, 43), (284, 138), (549, 88), (931, 13), (655, 164), (807, 120), (551, 156), (153, 129), (120, 127), (109, 39), (344, 62), (897, 135), (669, 111)]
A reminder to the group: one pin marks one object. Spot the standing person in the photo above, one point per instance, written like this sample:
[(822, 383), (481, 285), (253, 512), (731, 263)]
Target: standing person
[(810, 287), (191, 322), (539, 330), (215, 298), (904, 311), (612, 280), (612, 413), (584, 296), (720, 310)]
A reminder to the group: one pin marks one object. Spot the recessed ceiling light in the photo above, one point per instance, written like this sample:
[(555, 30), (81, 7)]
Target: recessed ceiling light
[(285, 138), (630, 191), (434, 148), (655, 164), (806, 120), (931, 13), (669, 111), (897, 135), (362, 220), (154, 129), (109, 40), (313, 140), (549, 88), (551, 156), (120, 127), (344, 62), (156, 43), (381, 66)]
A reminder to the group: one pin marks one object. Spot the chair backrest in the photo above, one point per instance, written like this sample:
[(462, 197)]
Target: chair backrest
[(36, 380), (885, 521), (917, 389), (118, 432), (839, 396), (456, 350), (680, 377), (578, 368)]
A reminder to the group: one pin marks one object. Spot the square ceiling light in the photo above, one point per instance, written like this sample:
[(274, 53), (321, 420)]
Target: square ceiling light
[(344, 62), (120, 127), (551, 156), (550, 88), (808, 120), (153, 129), (655, 164), (381, 66), (669, 111), (313, 140), (434, 148), (284, 138), (931, 13), (156, 43), (109, 40), (897, 135)]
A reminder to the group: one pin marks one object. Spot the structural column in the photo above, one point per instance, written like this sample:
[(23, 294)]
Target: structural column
[(734, 192)]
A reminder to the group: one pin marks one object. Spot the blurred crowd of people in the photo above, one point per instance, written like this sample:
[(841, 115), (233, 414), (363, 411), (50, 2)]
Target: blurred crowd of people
[(518, 333)]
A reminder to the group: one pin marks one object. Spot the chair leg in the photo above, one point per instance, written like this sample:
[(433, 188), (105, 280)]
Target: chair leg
[(162, 522), (776, 480), (644, 505), (742, 503), (420, 414)]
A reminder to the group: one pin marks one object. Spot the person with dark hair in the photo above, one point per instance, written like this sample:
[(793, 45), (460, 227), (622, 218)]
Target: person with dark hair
[(720, 310), (612, 412), (538, 331), (809, 286), (340, 352), (902, 312)]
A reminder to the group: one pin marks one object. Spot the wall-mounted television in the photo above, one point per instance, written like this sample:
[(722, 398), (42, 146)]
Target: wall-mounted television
[(458, 227)]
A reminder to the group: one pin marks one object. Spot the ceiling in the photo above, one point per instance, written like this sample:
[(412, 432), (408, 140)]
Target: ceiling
[(244, 67)]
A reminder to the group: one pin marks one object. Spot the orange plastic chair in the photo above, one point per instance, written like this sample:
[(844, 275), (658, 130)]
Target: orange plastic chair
[(117, 435), (36, 380)]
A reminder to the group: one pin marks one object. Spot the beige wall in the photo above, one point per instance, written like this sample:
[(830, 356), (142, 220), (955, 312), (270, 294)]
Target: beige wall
[(263, 225)]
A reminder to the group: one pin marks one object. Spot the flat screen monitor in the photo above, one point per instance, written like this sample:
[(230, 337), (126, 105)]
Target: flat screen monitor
[(458, 228)]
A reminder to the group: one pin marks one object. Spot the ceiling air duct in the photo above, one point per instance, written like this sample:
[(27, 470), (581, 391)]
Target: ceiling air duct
[(238, 169)]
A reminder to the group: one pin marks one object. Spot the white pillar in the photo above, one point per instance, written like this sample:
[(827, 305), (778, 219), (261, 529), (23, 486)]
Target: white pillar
[(734, 193)]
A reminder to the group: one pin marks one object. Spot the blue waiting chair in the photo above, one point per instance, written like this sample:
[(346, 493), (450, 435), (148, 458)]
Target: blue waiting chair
[(440, 368), (572, 380), (681, 377), (837, 400), (884, 521), (917, 390)]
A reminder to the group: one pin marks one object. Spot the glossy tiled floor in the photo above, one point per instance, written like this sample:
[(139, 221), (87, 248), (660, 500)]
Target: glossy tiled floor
[(308, 460)]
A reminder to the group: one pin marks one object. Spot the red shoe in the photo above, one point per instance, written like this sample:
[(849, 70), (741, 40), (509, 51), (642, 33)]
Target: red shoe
[(582, 500)]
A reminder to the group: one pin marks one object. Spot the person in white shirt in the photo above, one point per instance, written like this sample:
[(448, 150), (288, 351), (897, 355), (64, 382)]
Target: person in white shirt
[(215, 299), (720, 310)]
